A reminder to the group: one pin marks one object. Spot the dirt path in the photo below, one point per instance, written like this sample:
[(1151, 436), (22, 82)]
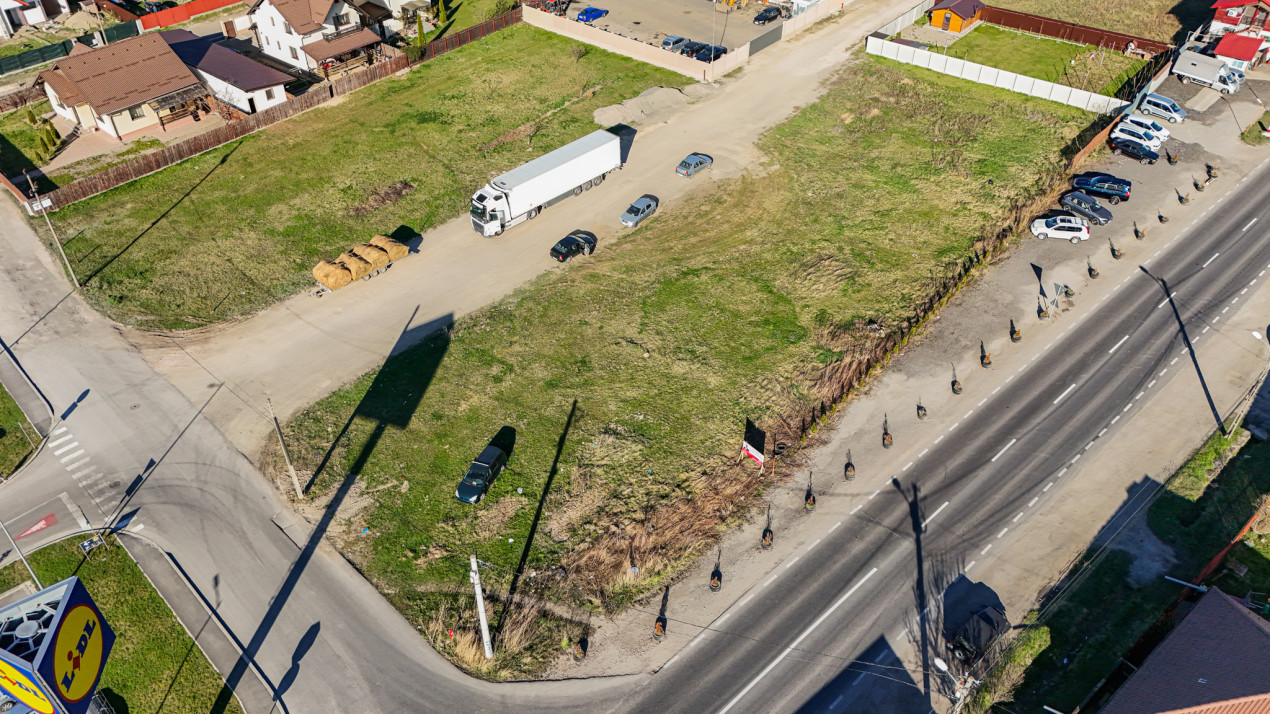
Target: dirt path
[(303, 348)]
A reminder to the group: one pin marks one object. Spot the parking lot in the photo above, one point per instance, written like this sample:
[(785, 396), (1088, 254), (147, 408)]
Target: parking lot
[(650, 20)]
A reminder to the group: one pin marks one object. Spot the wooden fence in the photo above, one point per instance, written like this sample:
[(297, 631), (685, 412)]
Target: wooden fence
[(119, 11), (21, 98), (1072, 33)]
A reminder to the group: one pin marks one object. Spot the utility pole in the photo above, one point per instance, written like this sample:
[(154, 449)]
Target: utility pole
[(57, 241), (295, 481), (475, 577), (22, 557)]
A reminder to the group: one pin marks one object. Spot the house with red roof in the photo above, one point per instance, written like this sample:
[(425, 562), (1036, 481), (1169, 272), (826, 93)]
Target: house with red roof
[(1240, 51), (1245, 16)]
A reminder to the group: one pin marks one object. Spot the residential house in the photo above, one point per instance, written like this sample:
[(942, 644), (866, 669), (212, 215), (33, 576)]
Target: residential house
[(955, 15), (242, 83), (19, 13), (1241, 52), (124, 88), (1217, 661), (1241, 16), (317, 34)]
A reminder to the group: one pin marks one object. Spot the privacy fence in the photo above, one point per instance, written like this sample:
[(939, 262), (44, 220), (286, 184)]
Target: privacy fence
[(57, 50), (181, 13)]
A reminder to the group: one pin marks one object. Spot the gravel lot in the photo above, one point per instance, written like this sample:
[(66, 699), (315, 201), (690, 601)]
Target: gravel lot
[(651, 20)]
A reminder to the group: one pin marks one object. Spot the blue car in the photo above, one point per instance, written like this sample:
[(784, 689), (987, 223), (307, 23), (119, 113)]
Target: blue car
[(711, 54), (591, 14)]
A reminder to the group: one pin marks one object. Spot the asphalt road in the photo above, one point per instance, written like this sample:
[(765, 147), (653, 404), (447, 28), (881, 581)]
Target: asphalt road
[(838, 615)]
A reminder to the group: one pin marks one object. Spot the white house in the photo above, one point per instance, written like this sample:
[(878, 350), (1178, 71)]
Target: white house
[(310, 34), (18, 13), (243, 83)]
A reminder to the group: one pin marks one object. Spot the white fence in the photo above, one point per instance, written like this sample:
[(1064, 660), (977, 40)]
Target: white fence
[(908, 18), (992, 76)]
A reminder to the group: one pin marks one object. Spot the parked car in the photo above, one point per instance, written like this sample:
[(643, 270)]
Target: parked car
[(978, 633), (674, 43), (1107, 186), (711, 54), (484, 469), (1149, 124), (1064, 226), (1133, 150), (591, 14), (693, 163), (1163, 107), (576, 243), (1138, 134), (691, 48), (643, 207), (767, 15), (1082, 204)]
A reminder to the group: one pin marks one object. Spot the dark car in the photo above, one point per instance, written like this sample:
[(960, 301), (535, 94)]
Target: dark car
[(973, 638), (1105, 186), (576, 243), (1082, 204), (711, 54), (769, 14), (1133, 150), (692, 48), (481, 474)]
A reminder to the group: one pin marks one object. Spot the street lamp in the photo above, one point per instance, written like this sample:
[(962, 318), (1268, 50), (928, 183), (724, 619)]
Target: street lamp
[(962, 685)]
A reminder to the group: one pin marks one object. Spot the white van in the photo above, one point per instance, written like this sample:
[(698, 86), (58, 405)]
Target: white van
[(1145, 122), (1163, 107)]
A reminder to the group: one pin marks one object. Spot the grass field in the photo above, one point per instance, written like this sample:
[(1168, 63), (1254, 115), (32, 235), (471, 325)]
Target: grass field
[(14, 445), (1254, 135), (1163, 20), (1102, 616), (19, 141), (155, 666), (241, 226), (711, 312), (1082, 67)]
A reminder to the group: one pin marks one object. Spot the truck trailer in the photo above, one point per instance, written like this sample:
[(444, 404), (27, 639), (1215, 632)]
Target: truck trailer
[(523, 192), (1208, 71)]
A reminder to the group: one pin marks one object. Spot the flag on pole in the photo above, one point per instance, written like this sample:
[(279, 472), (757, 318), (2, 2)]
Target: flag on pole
[(755, 442)]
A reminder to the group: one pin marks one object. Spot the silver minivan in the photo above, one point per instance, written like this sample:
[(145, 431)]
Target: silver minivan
[(1148, 124), (1163, 107), (673, 43)]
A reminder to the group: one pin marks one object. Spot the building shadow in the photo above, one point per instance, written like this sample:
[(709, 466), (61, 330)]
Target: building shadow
[(390, 402)]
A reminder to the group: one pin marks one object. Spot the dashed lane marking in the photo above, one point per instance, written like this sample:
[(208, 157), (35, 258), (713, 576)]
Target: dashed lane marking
[(1104, 431), (1060, 473), (969, 565), (1163, 371), (1033, 501), (1064, 394), (1089, 446), (931, 517), (941, 438), (1172, 361), (1127, 407), (1003, 449), (1076, 458), (967, 416), (982, 402), (1254, 220), (874, 494), (954, 426), (769, 581), (858, 507), (1206, 262), (1121, 342), (792, 561), (1048, 486), (985, 550), (1165, 301), (1206, 329), (1003, 532), (1113, 421), (924, 451), (1151, 383), (1225, 310), (1016, 518), (907, 466)]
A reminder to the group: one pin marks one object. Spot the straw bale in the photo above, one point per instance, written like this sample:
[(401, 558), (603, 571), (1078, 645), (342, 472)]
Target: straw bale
[(373, 254), (356, 265), (332, 275), (395, 249)]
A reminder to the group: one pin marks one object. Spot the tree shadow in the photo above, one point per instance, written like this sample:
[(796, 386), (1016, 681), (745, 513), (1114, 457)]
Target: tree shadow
[(390, 401)]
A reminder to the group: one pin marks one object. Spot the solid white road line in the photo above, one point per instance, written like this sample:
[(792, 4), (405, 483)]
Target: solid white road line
[(1121, 342), (1065, 393), (1249, 225), (1002, 451), (71, 456), (66, 448), (1206, 262), (79, 516), (801, 637), (936, 513)]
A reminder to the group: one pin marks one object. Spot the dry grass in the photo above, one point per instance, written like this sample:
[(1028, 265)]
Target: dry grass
[(1162, 20)]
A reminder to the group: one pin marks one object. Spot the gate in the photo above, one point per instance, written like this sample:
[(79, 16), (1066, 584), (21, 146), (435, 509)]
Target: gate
[(766, 39)]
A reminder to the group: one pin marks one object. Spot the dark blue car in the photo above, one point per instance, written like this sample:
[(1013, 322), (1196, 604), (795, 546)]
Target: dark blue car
[(711, 54), (591, 14)]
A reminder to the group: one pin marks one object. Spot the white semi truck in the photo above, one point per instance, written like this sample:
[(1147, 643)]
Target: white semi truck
[(522, 193), (1208, 71)]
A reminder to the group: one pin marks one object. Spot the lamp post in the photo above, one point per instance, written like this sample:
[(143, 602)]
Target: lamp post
[(961, 685)]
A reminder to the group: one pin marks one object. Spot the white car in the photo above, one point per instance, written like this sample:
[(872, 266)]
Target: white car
[(1146, 123), (1064, 226), (1133, 132)]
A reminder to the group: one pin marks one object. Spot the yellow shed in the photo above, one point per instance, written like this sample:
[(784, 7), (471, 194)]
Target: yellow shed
[(955, 15)]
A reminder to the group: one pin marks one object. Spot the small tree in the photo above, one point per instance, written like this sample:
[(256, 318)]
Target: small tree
[(442, 15), (579, 51), (30, 116), (419, 37), (46, 152)]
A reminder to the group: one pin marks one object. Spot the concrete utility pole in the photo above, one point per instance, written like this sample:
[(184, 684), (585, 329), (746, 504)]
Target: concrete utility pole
[(475, 577), (22, 557), (295, 481), (56, 241)]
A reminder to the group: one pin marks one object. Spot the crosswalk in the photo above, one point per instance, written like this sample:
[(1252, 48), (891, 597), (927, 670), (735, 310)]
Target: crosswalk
[(104, 490)]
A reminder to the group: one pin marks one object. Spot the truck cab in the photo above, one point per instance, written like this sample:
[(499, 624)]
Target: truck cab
[(489, 211)]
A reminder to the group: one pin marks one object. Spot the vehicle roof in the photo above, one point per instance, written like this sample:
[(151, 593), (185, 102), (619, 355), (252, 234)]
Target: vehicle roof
[(642, 201), (984, 626), (488, 455), (559, 157), (1161, 97)]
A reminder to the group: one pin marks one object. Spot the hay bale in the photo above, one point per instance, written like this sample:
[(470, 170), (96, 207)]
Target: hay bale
[(332, 275), (395, 249), (356, 265), (376, 256)]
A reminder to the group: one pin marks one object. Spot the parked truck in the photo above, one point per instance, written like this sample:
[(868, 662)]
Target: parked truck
[(1208, 71), (523, 192)]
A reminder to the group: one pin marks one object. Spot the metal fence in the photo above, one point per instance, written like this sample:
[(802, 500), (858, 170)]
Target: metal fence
[(1070, 32), (767, 39), (122, 31), (34, 57)]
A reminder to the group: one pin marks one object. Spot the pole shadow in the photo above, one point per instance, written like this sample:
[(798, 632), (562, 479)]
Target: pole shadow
[(919, 585), (1190, 349)]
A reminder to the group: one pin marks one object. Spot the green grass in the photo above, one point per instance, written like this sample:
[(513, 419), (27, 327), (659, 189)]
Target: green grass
[(27, 44), (1204, 504), (263, 210), (14, 445), (1083, 67), (1162, 20), (155, 665), (19, 141), (711, 312), (1254, 135)]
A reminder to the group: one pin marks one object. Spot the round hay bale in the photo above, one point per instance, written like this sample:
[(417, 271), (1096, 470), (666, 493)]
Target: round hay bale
[(395, 249), (332, 275), (376, 256), (357, 266)]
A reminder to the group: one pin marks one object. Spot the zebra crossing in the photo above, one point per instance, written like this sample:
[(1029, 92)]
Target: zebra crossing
[(105, 491)]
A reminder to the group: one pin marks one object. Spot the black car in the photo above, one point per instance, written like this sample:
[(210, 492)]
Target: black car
[(1086, 206), (576, 243), (1133, 150), (711, 54), (767, 16), (692, 48), (1105, 186), (481, 474), (974, 637)]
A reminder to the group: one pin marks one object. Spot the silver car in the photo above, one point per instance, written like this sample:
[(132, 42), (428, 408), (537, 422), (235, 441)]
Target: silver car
[(643, 207), (693, 163)]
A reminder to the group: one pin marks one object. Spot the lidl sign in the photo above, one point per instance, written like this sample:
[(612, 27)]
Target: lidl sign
[(55, 668)]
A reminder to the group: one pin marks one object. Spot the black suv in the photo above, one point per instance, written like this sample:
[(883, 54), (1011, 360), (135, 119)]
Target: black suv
[(1105, 186), (1133, 150), (1085, 206), (974, 637), (576, 243), (692, 48), (767, 16), (481, 474)]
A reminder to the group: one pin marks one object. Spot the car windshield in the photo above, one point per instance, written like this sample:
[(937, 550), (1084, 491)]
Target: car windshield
[(685, 164), (478, 211), (1051, 223), (634, 210)]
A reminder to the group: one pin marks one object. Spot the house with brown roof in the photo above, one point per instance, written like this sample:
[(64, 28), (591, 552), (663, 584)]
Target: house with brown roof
[(1217, 661), (318, 34), (124, 88), (238, 81)]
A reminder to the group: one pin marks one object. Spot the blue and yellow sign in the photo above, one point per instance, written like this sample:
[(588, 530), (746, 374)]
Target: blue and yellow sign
[(19, 683)]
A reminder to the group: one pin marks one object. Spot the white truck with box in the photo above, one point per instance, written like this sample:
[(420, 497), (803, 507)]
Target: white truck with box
[(1208, 71), (522, 193)]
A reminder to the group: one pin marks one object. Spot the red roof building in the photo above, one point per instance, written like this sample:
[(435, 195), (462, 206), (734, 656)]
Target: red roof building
[(1243, 48), (1240, 15)]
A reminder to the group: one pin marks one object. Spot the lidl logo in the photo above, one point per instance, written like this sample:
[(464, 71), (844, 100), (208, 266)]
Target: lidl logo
[(20, 687), (77, 657)]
